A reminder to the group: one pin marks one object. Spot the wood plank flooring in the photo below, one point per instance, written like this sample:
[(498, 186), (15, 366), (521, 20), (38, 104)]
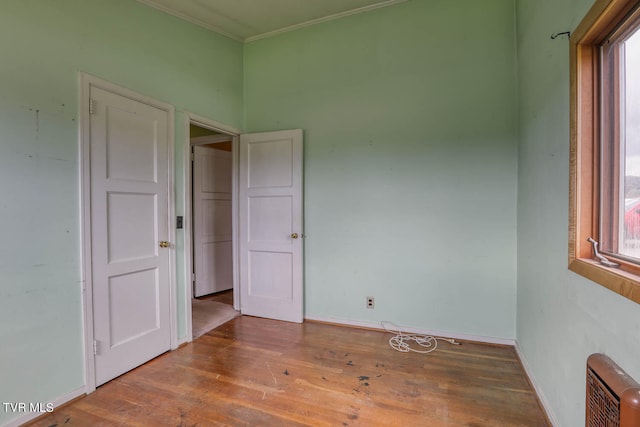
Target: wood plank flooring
[(258, 372)]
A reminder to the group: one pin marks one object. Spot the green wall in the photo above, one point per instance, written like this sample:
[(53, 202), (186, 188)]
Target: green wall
[(562, 318), (409, 114), (436, 172), (43, 46)]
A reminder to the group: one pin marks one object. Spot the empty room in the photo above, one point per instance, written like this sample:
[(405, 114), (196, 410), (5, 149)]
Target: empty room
[(353, 179)]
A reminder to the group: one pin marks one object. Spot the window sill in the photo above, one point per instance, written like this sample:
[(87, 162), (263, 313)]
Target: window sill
[(619, 281)]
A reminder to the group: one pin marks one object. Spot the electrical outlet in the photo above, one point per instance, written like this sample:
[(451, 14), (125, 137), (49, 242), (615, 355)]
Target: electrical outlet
[(370, 302)]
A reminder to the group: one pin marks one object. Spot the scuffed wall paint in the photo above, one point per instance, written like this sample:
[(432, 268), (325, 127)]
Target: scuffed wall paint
[(43, 46)]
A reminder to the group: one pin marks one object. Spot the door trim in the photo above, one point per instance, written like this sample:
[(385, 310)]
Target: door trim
[(85, 82), (193, 118)]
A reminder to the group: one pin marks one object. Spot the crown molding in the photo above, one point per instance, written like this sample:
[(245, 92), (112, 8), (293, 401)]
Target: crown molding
[(190, 19), (287, 29), (335, 16)]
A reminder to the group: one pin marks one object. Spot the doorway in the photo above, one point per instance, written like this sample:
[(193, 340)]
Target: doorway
[(266, 219), (211, 235)]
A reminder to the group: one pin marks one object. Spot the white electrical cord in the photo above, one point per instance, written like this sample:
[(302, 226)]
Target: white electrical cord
[(400, 341)]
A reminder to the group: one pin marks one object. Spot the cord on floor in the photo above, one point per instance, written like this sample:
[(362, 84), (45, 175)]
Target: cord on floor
[(401, 341)]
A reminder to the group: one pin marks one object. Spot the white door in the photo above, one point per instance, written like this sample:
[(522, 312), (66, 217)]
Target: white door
[(129, 230), (213, 265), (271, 225)]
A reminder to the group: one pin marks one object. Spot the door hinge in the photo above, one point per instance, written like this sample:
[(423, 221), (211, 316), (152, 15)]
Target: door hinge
[(95, 347), (91, 106), (193, 277)]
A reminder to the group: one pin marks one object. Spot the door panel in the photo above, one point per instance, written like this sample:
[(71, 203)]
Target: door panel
[(131, 151), (216, 219), (213, 262), (132, 225), (271, 228), (217, 265), (271, 275), (129, 217), (270, 219), (269, 163), (129, 314)]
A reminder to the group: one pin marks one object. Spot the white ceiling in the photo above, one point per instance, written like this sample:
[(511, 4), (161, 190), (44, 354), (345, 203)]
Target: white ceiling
[(248, 20)]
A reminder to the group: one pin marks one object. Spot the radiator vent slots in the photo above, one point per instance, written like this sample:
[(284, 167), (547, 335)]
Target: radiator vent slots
[(613, 397)]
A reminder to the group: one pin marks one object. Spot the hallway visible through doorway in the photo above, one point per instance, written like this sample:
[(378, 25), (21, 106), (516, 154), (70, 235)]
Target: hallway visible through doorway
[(212, 234), (211, 311)]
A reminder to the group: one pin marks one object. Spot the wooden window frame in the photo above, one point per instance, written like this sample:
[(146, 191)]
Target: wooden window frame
[(585, 150)]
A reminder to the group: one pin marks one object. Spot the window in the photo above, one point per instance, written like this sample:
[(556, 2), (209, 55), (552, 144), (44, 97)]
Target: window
[(605, 146), (620, 142)]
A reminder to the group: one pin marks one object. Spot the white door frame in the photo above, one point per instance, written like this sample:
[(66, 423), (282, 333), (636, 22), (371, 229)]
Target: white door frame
[(192, 118), (86, 81)]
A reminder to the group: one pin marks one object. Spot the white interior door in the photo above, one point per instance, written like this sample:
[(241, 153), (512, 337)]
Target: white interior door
[(271, 248), (129, 230), (212, 240)]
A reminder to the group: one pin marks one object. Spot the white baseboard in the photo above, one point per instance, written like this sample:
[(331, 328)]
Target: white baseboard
[(421, 331), (543, 399), (29, 416)]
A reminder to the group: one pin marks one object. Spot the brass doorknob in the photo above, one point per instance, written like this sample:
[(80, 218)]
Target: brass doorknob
[(294, 235), (164, 244)]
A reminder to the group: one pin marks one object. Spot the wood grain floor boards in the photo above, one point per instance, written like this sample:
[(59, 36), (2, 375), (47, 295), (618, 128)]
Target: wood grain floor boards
[(258, 372)]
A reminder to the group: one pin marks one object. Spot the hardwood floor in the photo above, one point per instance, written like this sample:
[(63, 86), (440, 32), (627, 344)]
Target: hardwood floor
[(257, 372)]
